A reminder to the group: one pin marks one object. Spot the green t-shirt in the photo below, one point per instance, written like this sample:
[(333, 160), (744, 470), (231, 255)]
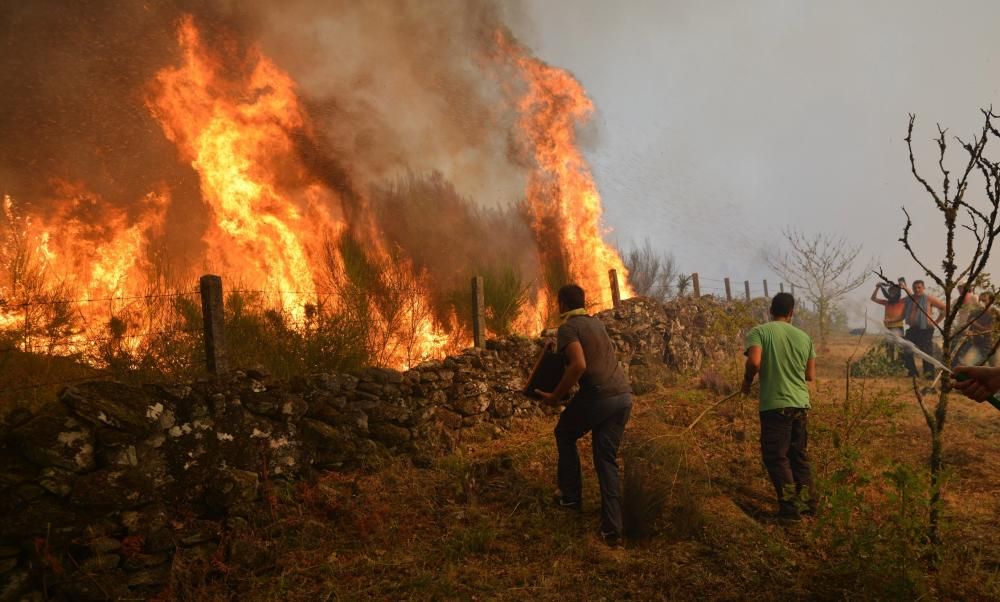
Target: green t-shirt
[(785, 350)]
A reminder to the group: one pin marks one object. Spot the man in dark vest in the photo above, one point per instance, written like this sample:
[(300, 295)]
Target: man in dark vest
[(920, 326), (602, 406)]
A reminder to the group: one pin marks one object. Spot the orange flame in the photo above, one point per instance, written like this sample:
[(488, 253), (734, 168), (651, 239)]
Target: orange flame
[(563, 201)]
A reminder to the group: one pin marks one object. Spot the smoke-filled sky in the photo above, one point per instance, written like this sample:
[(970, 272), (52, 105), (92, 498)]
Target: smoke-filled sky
[(719, 123)]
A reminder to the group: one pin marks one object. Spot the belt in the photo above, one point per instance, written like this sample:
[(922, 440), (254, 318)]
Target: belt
[(788, 412)]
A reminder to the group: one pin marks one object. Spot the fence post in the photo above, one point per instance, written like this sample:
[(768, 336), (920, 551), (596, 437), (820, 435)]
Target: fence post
[(695, 285), (781, 287), (746, 286), (478, 316), (793, 289), (767, 295), (214, 323), (729, 290), (616, 296)]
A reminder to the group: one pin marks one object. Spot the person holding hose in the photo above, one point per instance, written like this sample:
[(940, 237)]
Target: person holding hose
[(602, 405), (785, 358)]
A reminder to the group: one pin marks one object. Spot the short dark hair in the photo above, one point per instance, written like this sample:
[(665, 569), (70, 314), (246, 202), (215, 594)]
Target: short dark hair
[(782, 305), (571, 297), (920, 282)]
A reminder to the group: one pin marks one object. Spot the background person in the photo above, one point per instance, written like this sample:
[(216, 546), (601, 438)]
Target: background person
[(602, 406), (920, 326), (894, 311), (785, 358)]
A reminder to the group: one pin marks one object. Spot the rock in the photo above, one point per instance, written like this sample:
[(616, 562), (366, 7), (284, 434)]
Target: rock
[(502, 407), (60, 441), (158, 575), (14, 584), (102, 586), (333, 446), (232, 491), (113, 488), (7, 564), (448, 418), (354, 418), (9, 551), (198, 531), (56, 481), (104, 545), (38, 517), (389, 412), (389, 434), (143, 561), (100, 563), (248, 555), (470, 406), (124, 407)]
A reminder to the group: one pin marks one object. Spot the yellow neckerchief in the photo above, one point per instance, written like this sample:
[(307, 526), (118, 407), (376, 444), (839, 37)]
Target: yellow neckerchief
[(573, 312)]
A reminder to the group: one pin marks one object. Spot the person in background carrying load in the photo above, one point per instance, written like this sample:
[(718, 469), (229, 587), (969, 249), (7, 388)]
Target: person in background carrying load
[(920, 326), (785, 358), (602, 405), (979, 334), (894, 310)]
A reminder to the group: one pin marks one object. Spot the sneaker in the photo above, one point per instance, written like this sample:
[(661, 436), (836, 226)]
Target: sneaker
[(612, 539), (568, 503)]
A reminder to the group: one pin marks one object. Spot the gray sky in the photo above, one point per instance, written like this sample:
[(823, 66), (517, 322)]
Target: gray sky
[(719, 123)]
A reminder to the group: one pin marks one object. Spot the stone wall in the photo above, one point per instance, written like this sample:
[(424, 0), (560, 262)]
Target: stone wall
[(100, 487)]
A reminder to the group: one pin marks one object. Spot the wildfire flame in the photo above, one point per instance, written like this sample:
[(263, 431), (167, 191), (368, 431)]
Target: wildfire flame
[(236, 118), (563, 201)]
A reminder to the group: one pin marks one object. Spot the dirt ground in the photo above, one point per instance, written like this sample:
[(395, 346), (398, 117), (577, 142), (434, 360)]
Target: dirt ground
[(480, 524)]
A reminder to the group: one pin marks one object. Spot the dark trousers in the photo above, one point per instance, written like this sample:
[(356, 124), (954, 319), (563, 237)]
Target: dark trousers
[(783, 438), (606, 419), (922, 338)]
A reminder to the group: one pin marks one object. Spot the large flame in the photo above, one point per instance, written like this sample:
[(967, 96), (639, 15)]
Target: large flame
[(274, 225), (563, 201)]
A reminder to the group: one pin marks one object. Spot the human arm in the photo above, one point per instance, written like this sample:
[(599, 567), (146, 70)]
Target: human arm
[(751, 367), (576, 365), (938, 305), (811, 370), (982, 381), (876, 299)]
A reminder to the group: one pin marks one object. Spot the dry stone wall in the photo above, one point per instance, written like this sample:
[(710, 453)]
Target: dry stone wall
[(101, 487)]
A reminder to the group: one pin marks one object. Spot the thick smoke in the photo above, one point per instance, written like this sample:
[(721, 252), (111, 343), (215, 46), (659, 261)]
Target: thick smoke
[(410, 117)]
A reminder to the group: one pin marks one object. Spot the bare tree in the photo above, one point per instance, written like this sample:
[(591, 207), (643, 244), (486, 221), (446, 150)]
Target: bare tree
[(821, 267), (979, 220), (651, 273)]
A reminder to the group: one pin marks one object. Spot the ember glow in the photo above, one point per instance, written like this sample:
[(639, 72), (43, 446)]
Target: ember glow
[(274, 222)]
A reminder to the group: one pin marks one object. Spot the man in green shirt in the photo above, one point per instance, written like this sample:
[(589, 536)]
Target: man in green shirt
[(785, 358)]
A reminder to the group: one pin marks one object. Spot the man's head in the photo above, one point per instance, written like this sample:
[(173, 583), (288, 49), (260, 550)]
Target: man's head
[(918, 288), (893, 293), (782, 305), (570, 297)]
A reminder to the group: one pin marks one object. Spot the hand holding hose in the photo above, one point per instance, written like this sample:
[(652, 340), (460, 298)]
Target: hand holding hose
[(979, 383)]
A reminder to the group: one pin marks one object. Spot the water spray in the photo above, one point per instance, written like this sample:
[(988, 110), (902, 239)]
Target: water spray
[(907, 345)]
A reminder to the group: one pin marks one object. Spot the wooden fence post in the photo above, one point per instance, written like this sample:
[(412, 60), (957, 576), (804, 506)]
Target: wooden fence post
[(781, 287), (766, 294), (616, 296), (793, 290), (214, 324), (478, 315), (746, 286), (695, 285), (729, 290)]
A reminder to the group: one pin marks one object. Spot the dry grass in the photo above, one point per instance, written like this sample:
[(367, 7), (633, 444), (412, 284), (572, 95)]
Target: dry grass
[(479, 524)]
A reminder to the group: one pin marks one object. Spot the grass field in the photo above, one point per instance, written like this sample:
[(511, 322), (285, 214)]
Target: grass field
[(480, 524)]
